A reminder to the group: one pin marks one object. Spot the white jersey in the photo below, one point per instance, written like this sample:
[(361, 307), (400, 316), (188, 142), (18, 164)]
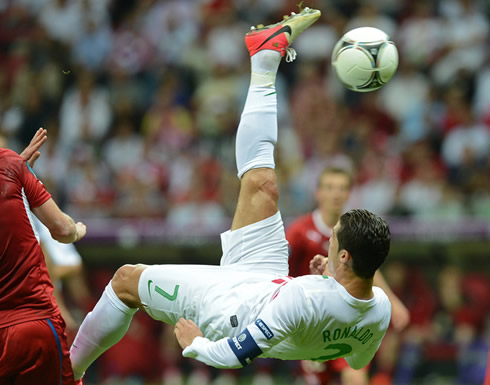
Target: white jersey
[(248, 307), (310, 318), (244, 315)]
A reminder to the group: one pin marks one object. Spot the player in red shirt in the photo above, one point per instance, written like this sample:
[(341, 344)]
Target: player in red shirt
[(308, 236), (33, 346)]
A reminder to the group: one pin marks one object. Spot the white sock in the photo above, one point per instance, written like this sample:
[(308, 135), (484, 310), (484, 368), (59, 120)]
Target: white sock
[(257, 131), (102, 328)]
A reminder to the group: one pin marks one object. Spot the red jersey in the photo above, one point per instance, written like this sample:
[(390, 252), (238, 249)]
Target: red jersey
[(26, 291), (307, 237)]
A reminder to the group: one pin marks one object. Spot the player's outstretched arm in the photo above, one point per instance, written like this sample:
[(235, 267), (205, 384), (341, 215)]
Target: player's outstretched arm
[(400, 316), (61, 226)]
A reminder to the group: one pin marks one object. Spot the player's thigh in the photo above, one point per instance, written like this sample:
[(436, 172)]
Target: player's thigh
[(35, 350), (168, 292), (257, 199)]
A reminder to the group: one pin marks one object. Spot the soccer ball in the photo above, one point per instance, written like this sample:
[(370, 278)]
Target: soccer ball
[(365, 59)]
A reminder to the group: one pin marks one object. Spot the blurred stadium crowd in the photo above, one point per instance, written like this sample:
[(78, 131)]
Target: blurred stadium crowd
[(141, 100)]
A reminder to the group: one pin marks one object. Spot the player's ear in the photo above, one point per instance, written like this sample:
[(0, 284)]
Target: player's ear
[(344, 256)]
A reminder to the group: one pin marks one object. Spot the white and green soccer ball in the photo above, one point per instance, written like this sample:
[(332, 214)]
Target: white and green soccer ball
[(365, 59)]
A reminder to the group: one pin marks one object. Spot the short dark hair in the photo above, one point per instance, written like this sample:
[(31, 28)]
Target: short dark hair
[(367, 238)]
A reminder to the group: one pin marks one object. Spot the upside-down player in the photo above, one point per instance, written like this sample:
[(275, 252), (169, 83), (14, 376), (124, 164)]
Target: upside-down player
[(247, 307)]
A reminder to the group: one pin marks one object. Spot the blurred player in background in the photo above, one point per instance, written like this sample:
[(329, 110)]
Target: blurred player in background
[(248, 307), (308, 236), (33, 345)]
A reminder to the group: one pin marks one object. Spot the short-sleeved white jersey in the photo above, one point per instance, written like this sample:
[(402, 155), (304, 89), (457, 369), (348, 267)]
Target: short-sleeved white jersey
[(247, 314)]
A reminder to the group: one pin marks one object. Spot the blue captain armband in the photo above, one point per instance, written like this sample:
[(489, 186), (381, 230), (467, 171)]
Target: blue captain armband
[(244, 347)]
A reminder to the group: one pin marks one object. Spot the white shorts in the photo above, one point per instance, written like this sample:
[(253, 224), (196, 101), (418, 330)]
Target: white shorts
[(260, 247), (61, 254), (223, 299)]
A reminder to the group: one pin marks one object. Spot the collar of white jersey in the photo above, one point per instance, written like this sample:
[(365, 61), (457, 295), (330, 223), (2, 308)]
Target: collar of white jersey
[(320, 225), (358, 303)]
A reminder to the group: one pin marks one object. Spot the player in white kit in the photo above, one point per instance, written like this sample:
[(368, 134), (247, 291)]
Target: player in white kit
[(247, 307)]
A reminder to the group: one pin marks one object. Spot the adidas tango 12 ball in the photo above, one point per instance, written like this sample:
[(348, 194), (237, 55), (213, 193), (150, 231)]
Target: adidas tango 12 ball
[(365, 59)]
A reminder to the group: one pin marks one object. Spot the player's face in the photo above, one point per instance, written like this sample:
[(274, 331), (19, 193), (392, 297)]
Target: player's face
[(333, 192)]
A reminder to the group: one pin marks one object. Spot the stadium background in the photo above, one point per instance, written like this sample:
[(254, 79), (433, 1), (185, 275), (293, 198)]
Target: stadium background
[(141, 100)]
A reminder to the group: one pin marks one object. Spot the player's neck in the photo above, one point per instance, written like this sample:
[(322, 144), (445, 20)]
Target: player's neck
[(360, 288)]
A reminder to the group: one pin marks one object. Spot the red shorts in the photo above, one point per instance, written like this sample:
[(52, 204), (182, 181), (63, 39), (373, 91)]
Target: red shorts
[(35, 352)]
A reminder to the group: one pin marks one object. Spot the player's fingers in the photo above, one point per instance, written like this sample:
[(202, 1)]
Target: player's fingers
[(39, 135), (81, 230), (180, 323), (33, 158)]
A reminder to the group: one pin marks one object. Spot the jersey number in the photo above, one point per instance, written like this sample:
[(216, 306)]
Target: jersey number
[(163, 293), (171, 297), (342, 350)]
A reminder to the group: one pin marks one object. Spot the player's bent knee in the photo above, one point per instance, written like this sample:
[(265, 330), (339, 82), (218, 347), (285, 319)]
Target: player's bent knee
[(125, 284)]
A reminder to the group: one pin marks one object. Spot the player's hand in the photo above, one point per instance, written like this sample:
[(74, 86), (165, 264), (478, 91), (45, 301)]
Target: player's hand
[(400, 316), (318, 264), (31, 152), (186, 331), (81, 230)]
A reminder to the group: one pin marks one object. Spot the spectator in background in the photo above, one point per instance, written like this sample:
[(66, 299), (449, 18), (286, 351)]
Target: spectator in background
[(167, 125), (92, 48), (131, 51), (35, 113), (406, 93), (420, 34), (465, 32), (466, 146), (62, 21), (482, 93), (124, 141), (85, 114), (171, 27), (199, 206), (423, 191), (141, 191), (379, 179), (368, 15), (88, 185)]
